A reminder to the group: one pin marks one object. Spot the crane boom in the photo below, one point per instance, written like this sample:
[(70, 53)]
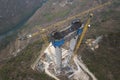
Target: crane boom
[(82, 35), (71, 18)]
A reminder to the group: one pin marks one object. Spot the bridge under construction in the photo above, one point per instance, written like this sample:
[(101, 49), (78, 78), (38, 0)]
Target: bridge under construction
[(60, 56)]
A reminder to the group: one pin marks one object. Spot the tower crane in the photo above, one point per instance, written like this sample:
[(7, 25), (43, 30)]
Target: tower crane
[(55, 56), (57, 24)]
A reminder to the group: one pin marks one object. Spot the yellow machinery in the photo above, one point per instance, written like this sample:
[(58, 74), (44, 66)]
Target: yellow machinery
[(82, 35), (70, 18), (45, 37)]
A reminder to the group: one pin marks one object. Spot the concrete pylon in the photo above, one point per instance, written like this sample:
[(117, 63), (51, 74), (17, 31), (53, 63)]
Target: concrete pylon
[(58, 58), (73, 42)]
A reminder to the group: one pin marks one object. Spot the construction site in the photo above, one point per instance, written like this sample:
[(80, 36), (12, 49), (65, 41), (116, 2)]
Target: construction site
[(65, 46), (60, 57)]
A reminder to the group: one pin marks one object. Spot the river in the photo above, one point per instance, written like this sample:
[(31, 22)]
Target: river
[(21, 23)]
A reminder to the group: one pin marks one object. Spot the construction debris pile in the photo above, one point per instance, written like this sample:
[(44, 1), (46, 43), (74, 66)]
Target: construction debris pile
[(93, 43)]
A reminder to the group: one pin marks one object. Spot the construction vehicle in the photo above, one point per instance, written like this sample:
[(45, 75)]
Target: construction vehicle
[(24, 37)]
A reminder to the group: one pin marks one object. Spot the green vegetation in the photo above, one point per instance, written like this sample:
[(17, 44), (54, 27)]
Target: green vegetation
[(5, 41), (61, 14), (104, 62), (48, 16), (16, 14), (84, 3), (18, 68)]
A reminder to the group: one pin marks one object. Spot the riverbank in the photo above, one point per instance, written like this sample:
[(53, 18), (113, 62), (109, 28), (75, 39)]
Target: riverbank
[(26, 17)]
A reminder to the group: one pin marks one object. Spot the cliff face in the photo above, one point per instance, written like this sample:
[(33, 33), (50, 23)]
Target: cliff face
[(14, 12)]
